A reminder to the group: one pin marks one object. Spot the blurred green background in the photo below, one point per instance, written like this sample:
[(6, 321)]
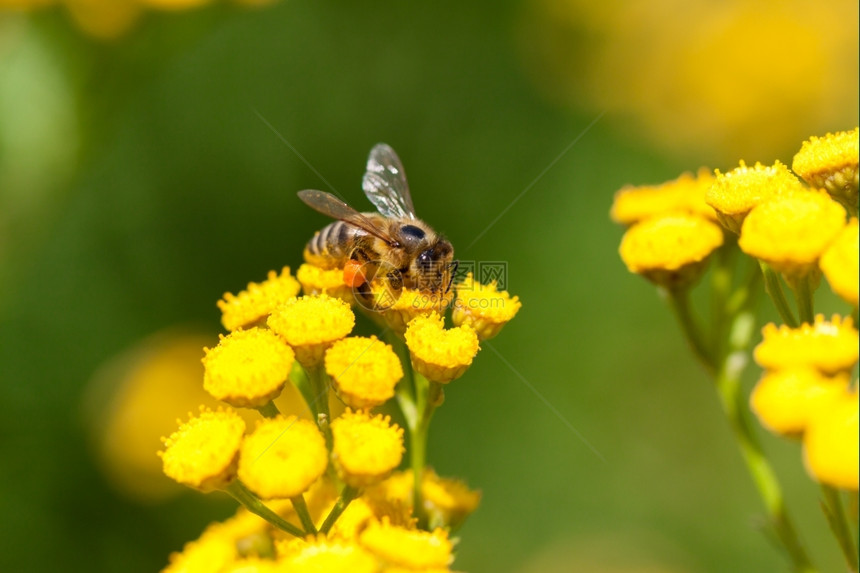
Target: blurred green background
[(148, 167)]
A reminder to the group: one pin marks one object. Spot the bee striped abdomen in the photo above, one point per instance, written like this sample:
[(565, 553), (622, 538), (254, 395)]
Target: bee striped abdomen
[(331, 246)]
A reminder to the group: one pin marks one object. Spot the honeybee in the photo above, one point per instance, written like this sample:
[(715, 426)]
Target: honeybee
[(392, 246)]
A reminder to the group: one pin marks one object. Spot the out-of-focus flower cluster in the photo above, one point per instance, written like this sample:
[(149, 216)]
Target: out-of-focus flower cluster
[(717, 78), (795, 226), (110, 19), (323, 492)]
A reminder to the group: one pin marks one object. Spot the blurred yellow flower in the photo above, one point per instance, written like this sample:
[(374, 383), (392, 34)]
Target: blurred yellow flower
[(830, 347), (734, 194), (686, 194), (104, 19), (256, 302), (704, 78), (248, 368), (282, 457), (310, 324), (670, 251), (832, 442), (447, 502), (365, 448), (364, 370), (321, 555), (203, 452), (222, 543), (785, 400), (831, 163), (840, 263), (440, 354), (483, 307), (411, 548), (173, 4), (791, 233)]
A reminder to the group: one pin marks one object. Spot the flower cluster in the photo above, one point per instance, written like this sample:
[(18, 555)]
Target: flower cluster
[(794, 228), (324, 491), (110, 19)]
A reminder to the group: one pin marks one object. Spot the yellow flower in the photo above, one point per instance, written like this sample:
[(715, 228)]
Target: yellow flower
[(366, 448), (104, 19), (255, 303), (830, 444), (407, 547), (483, 307), (202, 453), (252, 565), (830, 347), (447, 502), (734, 194), (364, 370), (785, 400), (310, 324), (440, 354), (222, 544), (670, 251), (839, 263), (248, 368), (317, 280), (830, 163), (686, 194), (409, 304), (282, 457), (173, 4), (791, 233), (321, 555)]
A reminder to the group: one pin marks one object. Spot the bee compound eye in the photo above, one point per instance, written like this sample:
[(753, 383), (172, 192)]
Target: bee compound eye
[(413, 232)]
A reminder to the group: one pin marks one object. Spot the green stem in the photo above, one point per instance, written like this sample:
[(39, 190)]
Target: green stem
[(269, 410), (252, 503), (318, 381), (802, 288), (304, 514), (427, 397), (680, 302), (734, 405), (348, 494), (837, 517), (774, 290)]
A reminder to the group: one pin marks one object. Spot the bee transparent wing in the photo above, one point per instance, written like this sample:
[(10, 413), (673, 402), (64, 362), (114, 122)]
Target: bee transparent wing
[(329, 205), (385, 184)]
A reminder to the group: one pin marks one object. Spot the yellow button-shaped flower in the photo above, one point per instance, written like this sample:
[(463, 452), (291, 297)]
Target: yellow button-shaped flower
[(785, 400), (438, 354), (282, 457), (409, 304), (248, 368), (830, 163), (828, 346), (202, 453), (686, 194), (840, 265), (256, 302), (670, 251), (734, 194), (366, 448), (321, 555), (791, 233), (317, 280), (407, 547), (483, 307), (831, 444), (364, 370), (310, 324)]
